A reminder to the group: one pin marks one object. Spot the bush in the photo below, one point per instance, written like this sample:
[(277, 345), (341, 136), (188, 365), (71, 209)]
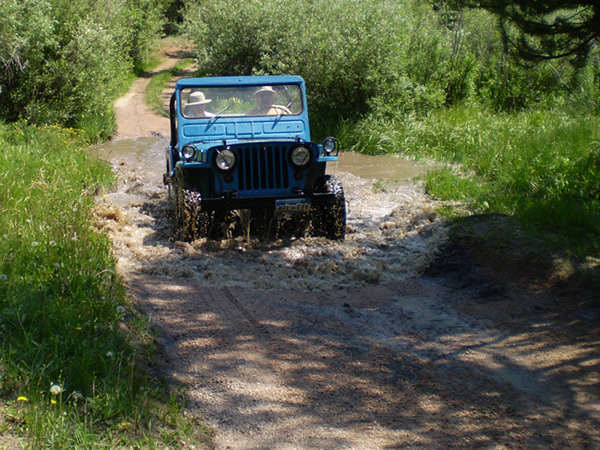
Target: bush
[(348, 51), (66, 61)]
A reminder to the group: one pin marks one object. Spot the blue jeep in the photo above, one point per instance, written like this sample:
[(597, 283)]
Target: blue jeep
[(241, 149)]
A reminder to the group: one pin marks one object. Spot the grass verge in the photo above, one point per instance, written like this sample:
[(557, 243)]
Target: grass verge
[(542, 167), (74, 358)]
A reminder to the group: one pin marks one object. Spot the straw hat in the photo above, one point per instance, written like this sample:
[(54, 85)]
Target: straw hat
[(264, 89), (197, 98)]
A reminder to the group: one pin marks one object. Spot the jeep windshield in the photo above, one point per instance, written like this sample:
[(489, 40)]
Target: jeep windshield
[(213, 102)]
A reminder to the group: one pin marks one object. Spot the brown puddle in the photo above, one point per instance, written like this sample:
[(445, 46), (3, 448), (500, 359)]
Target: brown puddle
[(386, 168)]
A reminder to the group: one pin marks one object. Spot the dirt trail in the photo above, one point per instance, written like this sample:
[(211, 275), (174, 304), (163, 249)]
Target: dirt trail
[(362, 344), (134, 118)]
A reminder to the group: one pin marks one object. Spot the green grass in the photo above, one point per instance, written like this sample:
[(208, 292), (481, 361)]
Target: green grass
[(541, 166), (153, 97), (73, 356)]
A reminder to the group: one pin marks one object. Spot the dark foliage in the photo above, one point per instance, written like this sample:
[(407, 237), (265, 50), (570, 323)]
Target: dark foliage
[(549, 29)]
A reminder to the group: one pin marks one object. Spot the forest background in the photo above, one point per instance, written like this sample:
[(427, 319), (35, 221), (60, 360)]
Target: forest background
[(428, 80)]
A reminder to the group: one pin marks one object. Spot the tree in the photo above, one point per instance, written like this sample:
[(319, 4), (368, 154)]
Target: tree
[(545, 29)]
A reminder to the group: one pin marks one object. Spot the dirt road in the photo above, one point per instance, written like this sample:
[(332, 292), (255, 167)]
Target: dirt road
[(389, 339)]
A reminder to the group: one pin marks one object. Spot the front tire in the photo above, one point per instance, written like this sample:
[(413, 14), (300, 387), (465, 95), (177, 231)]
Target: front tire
[(329, 220), (193, 222)]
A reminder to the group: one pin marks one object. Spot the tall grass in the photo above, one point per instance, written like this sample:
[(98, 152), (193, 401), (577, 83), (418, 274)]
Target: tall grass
[(542, 166), (69, 372)]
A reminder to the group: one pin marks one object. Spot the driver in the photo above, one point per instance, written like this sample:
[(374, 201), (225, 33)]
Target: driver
[(196, 106), (265, 96)]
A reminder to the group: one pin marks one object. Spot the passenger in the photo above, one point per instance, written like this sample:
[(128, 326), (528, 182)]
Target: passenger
[(265, 97), (196, 106)]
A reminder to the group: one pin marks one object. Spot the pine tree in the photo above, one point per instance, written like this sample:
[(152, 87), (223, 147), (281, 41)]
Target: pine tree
[(545, 29)]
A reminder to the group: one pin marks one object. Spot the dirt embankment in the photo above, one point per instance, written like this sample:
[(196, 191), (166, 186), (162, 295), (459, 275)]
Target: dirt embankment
[(307, 343)]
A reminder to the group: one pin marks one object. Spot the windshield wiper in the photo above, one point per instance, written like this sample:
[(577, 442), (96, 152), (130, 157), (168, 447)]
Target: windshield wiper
[(217, 115)]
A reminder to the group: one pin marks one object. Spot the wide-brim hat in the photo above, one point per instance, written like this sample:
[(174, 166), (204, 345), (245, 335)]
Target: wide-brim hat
[(265, 89), (198, 98)]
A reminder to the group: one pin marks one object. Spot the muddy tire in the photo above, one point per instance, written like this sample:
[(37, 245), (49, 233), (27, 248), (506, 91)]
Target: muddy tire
[(330, 220), (193, 223), (171, 197)]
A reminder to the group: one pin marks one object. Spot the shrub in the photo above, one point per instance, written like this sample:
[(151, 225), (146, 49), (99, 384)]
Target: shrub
[(66, 61)]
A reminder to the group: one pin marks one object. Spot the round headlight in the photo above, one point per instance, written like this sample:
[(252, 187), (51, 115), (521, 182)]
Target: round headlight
[(329, 145), (188, 152), (300, 156), (225, 159)]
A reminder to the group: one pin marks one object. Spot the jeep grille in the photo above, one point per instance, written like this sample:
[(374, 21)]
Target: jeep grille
[(263, 168)]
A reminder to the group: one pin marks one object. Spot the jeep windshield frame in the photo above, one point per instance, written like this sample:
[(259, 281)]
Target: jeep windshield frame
[(241, 101), (227, 109)]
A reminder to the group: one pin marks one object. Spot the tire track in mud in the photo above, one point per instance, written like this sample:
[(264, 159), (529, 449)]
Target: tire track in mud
[(265, 377), (263, 331)]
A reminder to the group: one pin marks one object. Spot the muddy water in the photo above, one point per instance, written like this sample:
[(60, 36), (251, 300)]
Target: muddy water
[(383, 168), (139, 165), (392, 228)]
